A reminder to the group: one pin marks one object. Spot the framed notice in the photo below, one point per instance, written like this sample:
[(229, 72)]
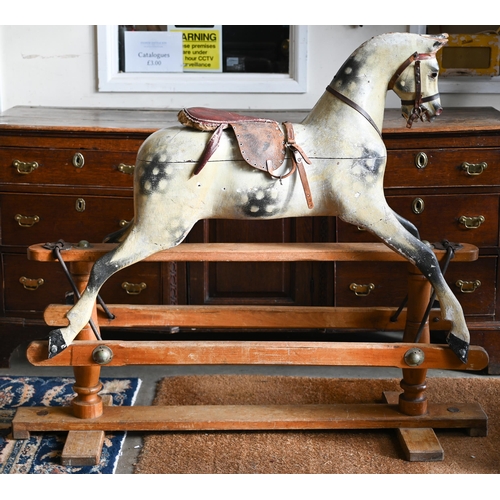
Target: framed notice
[(202, 47), (153, 51)]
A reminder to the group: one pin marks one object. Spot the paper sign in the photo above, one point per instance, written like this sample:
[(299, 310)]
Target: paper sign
[(153, 51), (202, 47)]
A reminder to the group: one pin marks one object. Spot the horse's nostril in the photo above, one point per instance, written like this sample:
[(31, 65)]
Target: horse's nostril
[(439, 110)]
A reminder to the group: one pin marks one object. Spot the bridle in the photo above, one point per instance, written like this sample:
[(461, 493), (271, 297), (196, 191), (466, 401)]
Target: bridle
[(418, 111)]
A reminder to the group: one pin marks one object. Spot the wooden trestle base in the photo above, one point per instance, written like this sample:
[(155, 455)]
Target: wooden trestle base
[(409, 412)]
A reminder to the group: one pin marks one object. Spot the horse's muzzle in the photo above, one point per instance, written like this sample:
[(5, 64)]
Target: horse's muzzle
[(422, 113)]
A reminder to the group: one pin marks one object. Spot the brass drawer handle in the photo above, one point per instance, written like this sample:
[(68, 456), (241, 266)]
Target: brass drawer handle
[(474, 168), (78, 160), (31, 284), (26, 220), (133, 288), (471, 222), (126, 169), (468, 286), (24, 167), (361, 290), (421, 160)]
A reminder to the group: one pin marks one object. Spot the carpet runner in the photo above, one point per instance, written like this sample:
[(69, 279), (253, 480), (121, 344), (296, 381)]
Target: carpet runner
[(315, 452)]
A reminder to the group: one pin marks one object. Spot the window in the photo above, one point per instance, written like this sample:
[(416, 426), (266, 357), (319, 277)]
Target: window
[(274, 61)]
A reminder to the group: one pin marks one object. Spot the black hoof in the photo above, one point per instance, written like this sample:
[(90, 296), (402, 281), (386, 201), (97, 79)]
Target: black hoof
[(458, 346), (56, 343)]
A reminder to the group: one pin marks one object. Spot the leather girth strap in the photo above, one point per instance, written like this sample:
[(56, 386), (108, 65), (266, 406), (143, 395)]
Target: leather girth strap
[(297, 156), (261, 141)]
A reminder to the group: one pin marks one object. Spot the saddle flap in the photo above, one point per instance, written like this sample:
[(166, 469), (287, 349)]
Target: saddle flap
[(262, 144)]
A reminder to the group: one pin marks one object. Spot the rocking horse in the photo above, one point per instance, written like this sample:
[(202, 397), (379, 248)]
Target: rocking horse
[(241, 168)]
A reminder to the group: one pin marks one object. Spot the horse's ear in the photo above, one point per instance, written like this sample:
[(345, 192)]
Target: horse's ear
[(439, 41)]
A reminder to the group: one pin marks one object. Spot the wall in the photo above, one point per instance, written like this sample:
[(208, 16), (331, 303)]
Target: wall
[(57, 66)]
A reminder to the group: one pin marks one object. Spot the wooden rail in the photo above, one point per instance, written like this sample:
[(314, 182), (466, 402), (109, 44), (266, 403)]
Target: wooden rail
[(252, 252), (409, 412)]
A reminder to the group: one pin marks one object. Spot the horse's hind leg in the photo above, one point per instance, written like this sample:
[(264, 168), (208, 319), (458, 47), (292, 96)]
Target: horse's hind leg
[(386, 224), (409, 226), (133, 249), (120, 235)]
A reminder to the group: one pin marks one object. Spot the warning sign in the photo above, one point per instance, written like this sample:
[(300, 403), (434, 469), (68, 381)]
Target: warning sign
[(202, 47)]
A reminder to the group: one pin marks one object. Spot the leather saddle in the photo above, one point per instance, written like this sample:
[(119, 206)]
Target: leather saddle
[(261, 141)]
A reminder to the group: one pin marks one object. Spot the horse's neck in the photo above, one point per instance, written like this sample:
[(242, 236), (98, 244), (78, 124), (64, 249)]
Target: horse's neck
[(326, 110), (363, 79)]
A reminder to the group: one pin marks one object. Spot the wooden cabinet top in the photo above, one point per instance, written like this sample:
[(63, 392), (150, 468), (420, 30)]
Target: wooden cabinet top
[(149, 120), (139, 123)]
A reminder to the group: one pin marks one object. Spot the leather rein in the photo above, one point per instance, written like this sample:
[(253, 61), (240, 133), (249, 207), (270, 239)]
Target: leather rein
[(417, 110)]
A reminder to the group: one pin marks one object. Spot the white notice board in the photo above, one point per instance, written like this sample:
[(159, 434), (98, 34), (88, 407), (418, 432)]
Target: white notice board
[(153, 51)]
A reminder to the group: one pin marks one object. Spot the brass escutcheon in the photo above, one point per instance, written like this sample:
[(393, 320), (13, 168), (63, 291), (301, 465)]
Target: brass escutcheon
[(417, 206), (133, 288), (361, 290), (468, 286), (26, 220), (126, 169), (421, 160), (472, 222), (78, 160), (474, 168), (80, 205), (31, 284), (24, 167)]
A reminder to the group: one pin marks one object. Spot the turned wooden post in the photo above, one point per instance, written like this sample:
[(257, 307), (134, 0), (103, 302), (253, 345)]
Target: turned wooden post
[(87, 403), (413, 400)]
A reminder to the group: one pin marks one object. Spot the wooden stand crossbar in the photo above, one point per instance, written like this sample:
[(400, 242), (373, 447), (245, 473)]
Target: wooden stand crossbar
[(292, 317), (409, 411), (80, 353)]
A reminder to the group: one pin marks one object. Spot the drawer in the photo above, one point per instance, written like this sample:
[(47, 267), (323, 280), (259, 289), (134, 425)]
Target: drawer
[(443, 167), (138, 284), (474, 283), (40, 166), (385, 284), (33, 285), (459, 218), (27, 219)]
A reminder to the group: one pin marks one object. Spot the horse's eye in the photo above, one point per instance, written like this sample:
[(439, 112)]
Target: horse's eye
[(434, 75)]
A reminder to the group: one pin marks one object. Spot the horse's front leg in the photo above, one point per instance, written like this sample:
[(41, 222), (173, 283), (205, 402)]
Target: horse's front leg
[(134, 249)]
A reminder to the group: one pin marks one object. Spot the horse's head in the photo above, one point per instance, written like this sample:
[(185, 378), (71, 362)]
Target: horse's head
[(416, 81)]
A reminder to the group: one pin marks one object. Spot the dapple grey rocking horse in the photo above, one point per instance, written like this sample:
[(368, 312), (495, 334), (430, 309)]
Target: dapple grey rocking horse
[(183, 175)]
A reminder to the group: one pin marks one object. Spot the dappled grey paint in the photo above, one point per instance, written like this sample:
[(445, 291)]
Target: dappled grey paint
[(346, 175)]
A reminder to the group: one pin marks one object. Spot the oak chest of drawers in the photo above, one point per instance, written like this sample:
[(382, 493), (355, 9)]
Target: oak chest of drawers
[(66, 174)]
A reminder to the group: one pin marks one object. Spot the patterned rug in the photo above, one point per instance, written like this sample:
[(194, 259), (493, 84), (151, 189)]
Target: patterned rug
[(41, 453)]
